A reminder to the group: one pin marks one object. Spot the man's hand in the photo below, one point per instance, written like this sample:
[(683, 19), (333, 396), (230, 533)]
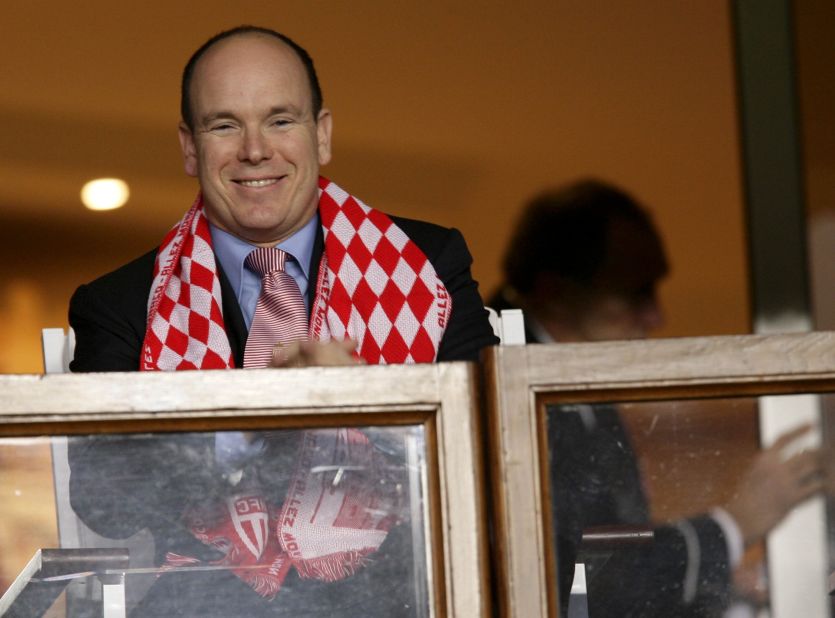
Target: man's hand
[(315, 354), (774, 484)]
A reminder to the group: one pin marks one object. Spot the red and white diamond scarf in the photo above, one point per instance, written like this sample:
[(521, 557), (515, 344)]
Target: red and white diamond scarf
[(375, 286)]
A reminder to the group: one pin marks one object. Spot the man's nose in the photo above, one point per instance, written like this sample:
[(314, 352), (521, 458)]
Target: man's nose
[(255, 147)]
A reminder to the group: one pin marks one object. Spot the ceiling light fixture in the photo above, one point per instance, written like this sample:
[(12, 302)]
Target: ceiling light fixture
[(105, 194)]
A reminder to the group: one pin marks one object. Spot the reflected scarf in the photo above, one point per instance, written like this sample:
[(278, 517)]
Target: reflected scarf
[(338, 510)]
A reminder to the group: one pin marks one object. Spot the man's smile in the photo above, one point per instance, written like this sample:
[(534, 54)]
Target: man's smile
[(257, 182)]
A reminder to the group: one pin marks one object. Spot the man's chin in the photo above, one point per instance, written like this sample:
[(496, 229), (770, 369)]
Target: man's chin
[(268, 232)]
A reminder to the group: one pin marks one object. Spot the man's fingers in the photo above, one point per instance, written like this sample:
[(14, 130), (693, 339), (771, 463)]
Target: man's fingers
[(287, 354), (307, 353), (790, 436), (806, 474), (805, 462), (331, 353), (810, 485), (349, 345)]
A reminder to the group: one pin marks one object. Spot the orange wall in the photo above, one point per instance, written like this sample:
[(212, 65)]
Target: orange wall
[(452, 112)]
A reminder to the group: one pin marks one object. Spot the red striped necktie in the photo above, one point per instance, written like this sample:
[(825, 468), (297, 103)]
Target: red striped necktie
[(280, 315)]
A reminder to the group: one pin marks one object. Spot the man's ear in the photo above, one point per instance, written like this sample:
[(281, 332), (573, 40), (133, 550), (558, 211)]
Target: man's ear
[(189, 149), (324, 126)]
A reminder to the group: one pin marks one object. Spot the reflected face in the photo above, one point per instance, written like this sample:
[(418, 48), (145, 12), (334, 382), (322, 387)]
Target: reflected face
[(621, 301), (256, 146)]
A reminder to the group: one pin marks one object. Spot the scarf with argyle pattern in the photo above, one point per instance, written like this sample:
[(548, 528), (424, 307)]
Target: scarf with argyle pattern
[(375, 286)]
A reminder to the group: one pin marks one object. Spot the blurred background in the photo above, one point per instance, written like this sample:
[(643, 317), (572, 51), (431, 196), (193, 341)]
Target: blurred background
[(455, 112)]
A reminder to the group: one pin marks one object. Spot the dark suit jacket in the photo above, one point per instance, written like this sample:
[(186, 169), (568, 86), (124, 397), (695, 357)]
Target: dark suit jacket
[(595, 481), (109, 314), (120, 485)]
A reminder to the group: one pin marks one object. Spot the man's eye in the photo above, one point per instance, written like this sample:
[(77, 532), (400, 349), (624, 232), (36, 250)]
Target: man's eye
[(221, 128), (281, 122)]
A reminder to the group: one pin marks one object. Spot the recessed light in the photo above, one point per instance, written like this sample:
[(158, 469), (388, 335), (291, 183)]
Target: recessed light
[(105, 194)]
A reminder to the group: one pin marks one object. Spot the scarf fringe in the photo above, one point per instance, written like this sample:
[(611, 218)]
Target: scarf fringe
[(332, 567)]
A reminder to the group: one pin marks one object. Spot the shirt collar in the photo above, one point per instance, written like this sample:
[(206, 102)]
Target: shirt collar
[(231, 251)]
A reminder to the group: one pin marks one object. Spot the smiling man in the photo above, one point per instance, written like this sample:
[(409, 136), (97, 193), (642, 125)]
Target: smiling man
[(254, 133), (257, 156), (272, 265)]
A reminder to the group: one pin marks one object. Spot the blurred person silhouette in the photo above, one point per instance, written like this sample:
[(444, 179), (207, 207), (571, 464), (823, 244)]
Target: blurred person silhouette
[(584, 264)]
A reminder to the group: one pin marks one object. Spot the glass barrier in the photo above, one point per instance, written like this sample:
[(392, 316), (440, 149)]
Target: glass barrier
[(663, 507), (655, 478), (336, 491), (318, 522)]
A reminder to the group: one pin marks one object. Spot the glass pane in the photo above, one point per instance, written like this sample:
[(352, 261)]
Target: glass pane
[(634, 490), (321, 522)]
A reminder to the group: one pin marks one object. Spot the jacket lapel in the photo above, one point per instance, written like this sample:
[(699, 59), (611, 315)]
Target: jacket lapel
[(315, 261), (232, 317)]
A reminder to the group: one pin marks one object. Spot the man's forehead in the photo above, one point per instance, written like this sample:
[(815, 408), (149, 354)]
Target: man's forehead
[(249, 52), (248, 45)]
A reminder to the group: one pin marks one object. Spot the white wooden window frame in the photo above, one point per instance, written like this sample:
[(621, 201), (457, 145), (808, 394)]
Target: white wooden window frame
[(519, 379), (442, 397)]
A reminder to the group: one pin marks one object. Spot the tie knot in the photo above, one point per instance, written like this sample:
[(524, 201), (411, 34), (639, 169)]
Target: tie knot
[(266, 260)]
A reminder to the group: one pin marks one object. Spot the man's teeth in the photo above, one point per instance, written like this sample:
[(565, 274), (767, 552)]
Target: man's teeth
[(258, 183)]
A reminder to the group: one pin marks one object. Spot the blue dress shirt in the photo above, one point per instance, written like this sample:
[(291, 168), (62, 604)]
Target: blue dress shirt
[(231, 252), (232, 449)]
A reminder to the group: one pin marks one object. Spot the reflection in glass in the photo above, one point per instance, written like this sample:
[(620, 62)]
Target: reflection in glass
[(321, 522), (641, 495)]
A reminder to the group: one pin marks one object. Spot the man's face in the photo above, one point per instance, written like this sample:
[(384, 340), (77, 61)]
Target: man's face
[(256, 147), (621, 301)]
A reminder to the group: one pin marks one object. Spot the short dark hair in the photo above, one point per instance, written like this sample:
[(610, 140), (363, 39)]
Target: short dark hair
[(565, 231), (301, 52)]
